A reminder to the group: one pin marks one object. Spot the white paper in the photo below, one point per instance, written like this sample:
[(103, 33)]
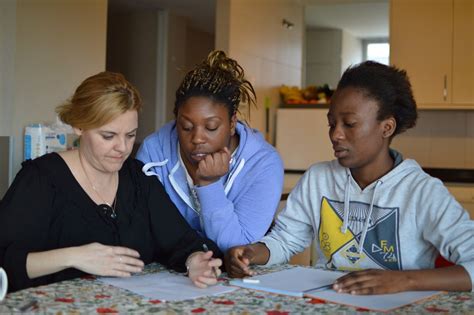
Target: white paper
[(382, 302), (165, 286), (299, 281), (294, 281)]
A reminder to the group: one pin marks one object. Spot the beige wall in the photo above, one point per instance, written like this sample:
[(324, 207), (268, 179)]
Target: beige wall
[(252, 33), (442, 139), (54, 51)]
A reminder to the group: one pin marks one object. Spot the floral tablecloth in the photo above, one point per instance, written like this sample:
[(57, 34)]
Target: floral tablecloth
[(90, 296)]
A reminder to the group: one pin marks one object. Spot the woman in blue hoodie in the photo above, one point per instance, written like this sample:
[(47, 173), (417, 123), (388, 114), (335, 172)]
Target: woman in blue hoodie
[(371, 211), (223, 176)]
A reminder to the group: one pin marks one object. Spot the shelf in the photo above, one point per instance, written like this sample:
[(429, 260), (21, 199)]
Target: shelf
[(305, 106)]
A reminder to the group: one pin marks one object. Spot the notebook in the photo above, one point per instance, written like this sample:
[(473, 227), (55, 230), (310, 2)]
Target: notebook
[(317, 283)]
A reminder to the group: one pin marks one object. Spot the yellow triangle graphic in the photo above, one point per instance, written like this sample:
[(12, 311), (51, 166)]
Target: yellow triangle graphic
[(330, 236)]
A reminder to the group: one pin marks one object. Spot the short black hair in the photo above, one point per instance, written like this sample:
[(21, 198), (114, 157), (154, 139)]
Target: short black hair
[(389, 86)]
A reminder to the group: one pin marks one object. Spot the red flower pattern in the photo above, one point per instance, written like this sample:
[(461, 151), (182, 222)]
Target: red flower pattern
[(316, 301), (275, 312), (102, 296), (155, 301), (198, 310), (106, 310), (65, 300), (361, 309), (434, 309)]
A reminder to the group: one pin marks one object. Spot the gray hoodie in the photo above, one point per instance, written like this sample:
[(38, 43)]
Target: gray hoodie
[(398, 222)]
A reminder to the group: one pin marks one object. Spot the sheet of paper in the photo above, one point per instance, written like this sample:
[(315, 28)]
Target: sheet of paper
[(383, 302), (300, 281), (294, 281), (165, 286)]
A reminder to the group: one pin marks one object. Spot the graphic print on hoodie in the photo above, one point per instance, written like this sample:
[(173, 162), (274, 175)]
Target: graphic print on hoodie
[(344, 251)]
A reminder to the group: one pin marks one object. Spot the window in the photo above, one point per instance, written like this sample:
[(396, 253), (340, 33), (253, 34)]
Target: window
[(376, 50)]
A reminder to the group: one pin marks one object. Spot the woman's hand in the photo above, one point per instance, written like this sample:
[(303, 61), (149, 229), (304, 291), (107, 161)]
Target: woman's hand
[(373, 281), (102, 260), (203, 269), (213, 167)]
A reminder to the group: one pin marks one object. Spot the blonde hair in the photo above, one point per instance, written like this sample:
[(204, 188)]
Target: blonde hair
[(220, 78), (98, 100)]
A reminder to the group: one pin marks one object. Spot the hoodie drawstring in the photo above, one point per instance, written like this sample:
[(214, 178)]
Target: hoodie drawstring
[(346, 204), (146, 168), (345, 223), (367, 219)]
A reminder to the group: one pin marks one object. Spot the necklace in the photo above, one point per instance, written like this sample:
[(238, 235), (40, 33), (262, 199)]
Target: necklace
[(109, 206)]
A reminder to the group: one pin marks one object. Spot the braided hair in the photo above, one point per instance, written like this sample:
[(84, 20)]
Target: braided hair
[(219, 78)]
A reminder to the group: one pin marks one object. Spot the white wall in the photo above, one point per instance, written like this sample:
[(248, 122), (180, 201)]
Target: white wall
[(323, 56), (251, 32), (351, 53), (51, 46), (7, 62)]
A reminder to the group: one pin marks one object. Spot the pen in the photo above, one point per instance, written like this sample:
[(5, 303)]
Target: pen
[(28, 305), (206, 249), (320, 288)]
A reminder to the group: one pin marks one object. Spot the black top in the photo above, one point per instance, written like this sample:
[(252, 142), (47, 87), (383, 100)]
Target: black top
[(45, 208)]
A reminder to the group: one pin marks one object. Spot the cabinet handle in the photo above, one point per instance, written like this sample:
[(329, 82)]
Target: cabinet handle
[(445, 90)]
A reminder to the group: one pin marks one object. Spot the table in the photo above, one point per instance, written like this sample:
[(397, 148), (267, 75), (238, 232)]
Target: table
[(90, 296)]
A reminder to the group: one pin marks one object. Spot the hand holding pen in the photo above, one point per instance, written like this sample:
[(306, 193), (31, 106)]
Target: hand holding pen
[(203, 270), (214, 269)]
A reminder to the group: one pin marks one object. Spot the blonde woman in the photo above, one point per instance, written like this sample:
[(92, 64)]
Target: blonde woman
[(92, 210)]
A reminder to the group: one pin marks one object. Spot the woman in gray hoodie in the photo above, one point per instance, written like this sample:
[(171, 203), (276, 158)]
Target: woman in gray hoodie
[(370, 211)]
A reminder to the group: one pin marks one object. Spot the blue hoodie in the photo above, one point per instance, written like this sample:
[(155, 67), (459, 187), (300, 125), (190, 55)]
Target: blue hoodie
[(235, 210)]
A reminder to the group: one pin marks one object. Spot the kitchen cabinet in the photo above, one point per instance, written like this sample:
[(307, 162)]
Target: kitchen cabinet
[(302, 137), (433, 41), (464, 194), (463, 53)]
